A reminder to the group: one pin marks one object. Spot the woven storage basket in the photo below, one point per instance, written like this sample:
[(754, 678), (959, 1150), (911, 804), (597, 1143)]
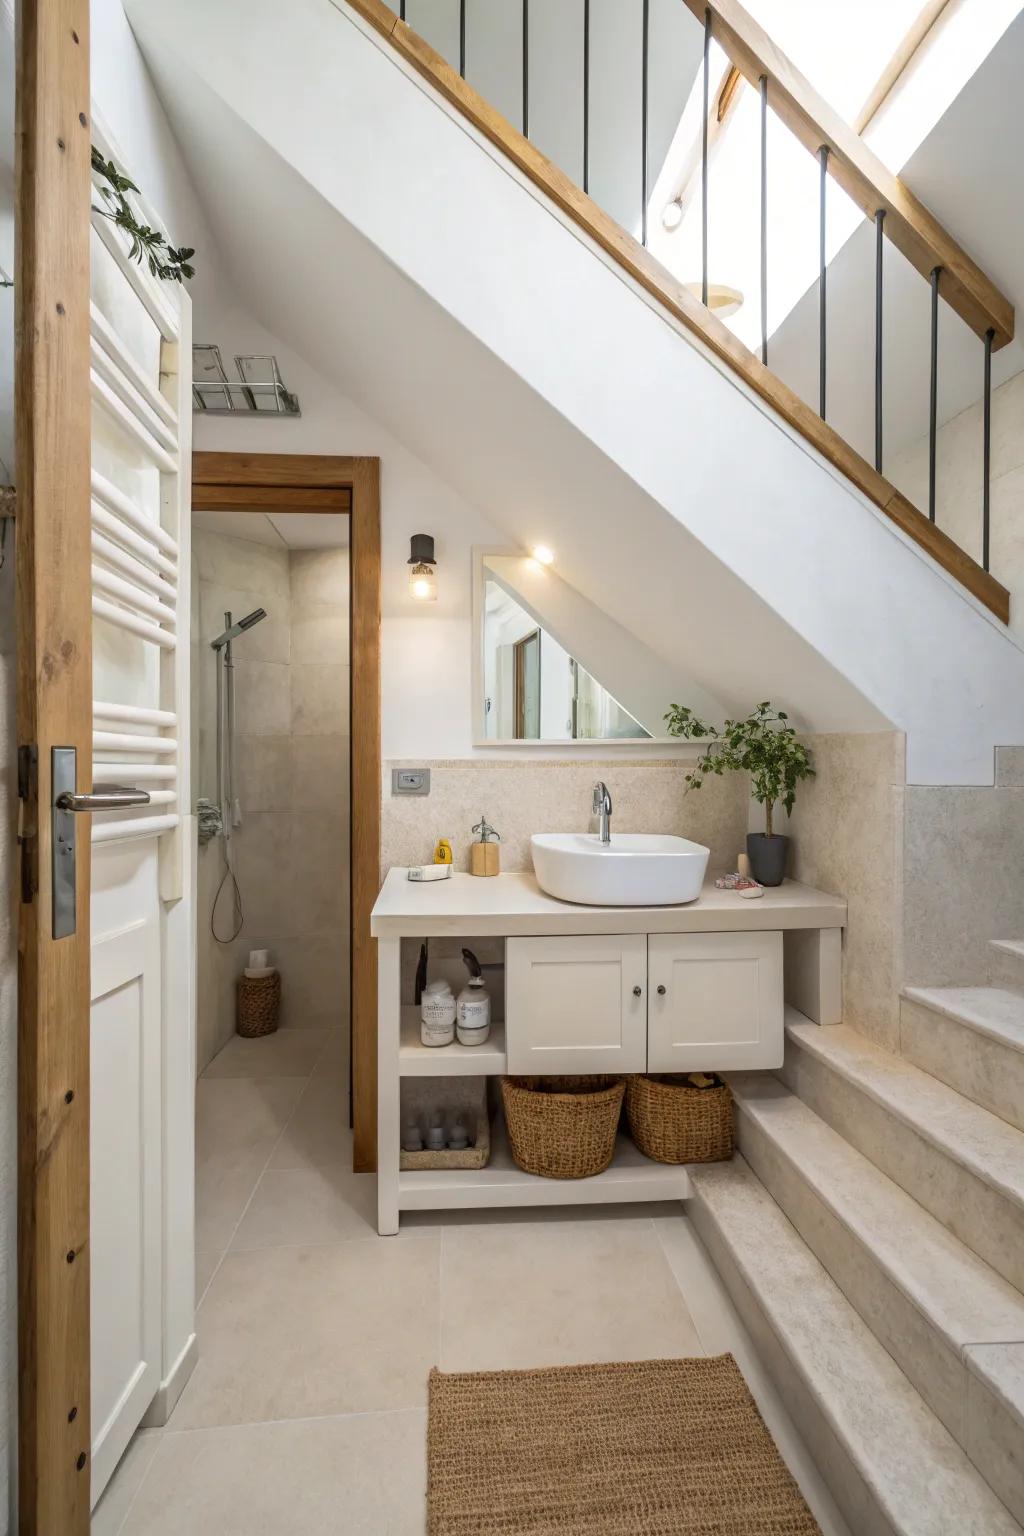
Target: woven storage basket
[(257, 1005), (673, 1122), (562, 1127)]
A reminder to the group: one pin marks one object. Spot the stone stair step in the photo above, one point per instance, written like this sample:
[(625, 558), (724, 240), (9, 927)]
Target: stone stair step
[(973, 1039), (892, 1467)]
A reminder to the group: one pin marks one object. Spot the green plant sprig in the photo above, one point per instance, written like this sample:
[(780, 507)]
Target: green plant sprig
[(170, 265), (764, 745)]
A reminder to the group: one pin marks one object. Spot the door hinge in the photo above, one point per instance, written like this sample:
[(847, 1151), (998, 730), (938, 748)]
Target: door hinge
[(28, 831)]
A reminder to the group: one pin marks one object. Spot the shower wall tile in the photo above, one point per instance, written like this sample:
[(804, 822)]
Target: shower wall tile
[(263, 694), (263, 772), (269, 640), (319, 632), (243, 565), (319, 771), (319, 576), (314, 979), (319, 699)]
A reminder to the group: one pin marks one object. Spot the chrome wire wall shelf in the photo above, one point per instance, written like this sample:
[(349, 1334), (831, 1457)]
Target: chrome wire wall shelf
[(259, 387)]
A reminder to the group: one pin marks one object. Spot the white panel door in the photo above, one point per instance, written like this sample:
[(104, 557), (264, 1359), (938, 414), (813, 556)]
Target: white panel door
[(141, 437), (715, 1001), (125, 1161), (576, 1004)]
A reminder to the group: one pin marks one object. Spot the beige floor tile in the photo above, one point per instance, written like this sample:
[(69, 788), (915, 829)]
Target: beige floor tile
[(312, 1205), (207, 1260), (318, 1132), (558, 1294), (364, 1476), (108, 1516), (295, 1332), (288, 1053), (238, 1123)]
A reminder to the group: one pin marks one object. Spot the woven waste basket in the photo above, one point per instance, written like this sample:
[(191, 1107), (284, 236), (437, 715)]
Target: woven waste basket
[(562, 1127), (257, 1005), (673, 1120)]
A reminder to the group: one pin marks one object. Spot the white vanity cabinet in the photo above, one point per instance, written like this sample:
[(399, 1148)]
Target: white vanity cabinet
[(576, 1004), (660, 1002), (715, 1002), (583, 995)]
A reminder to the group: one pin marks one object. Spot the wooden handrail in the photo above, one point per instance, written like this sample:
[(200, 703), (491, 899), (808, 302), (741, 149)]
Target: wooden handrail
[(679, 303), (859, 171)]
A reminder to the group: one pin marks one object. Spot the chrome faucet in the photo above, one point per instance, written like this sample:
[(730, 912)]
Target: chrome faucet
[(603, 811)]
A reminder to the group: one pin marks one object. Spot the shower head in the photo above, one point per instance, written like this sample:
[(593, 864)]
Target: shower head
[(234, 630)]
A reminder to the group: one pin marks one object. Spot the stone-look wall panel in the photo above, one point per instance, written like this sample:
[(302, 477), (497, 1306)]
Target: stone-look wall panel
[(847, 839), (527, 795), (963, 862)]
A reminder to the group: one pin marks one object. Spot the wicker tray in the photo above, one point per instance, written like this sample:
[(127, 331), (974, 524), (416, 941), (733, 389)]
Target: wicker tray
[(562, 1127), (421, 1096), (671, 1121)]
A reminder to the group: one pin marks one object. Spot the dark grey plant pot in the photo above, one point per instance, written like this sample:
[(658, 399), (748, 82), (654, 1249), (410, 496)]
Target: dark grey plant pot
[(767, 857)]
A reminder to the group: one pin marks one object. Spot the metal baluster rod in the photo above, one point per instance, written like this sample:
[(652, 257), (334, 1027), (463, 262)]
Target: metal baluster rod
[(586, 95), (462, 38), (401, 10), (822, 296), (933, 398), (764, 218), (986, 451), (643, 123), (526, 69), (879, 251), (704, 164)]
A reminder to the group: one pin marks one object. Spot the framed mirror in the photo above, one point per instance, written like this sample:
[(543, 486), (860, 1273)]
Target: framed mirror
[(550, 668)]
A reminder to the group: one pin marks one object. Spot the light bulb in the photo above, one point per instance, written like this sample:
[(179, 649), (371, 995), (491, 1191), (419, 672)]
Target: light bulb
[(423, 583), (543, 555), (672, 214)]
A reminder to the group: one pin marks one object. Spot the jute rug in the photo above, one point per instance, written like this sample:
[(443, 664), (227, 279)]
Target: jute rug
[(654, 1448)]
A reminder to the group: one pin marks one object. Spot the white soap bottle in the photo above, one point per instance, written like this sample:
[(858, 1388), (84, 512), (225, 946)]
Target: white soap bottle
[(473, 1009), (437, 1014)]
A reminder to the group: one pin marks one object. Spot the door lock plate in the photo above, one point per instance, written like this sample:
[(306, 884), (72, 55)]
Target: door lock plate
[(63, 774)]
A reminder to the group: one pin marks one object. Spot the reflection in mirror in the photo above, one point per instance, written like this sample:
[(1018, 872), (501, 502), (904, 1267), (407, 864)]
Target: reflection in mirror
[(534, 690)]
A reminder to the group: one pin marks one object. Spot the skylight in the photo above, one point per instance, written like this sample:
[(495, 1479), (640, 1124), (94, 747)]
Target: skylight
[(889, 67)]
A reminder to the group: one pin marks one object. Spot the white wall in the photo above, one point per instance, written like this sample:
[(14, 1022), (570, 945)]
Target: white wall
[(728, 526)]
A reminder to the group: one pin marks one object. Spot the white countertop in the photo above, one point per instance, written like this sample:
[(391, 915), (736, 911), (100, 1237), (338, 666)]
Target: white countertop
[(514, 905)]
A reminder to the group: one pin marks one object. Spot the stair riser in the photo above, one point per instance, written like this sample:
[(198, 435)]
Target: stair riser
[(996, 1444), (847, 1485), (973, 1210), (977, 1066), (1005, 969), (975, 1417)]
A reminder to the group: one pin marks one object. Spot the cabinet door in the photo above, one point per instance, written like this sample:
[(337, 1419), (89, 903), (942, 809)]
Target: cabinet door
[(576, 1004), (716, 1002)]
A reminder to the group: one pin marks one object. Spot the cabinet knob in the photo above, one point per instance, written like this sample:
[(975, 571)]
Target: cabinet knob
[(638, 991), (662, 990)]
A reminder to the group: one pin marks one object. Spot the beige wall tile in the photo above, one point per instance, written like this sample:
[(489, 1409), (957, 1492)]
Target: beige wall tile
[(964, 851), (262, 698), (319, 771), (319, 576), (241, 563), (269, 640), (524, 796), (319, 632), (262, 772), (319, 699), (847, 839), (1010, 767)]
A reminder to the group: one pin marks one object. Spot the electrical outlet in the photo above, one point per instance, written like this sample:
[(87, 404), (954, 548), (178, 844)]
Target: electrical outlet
[(410, 781)]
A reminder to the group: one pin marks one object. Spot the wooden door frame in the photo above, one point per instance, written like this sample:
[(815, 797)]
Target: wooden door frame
[(54, 640), (302, 482)]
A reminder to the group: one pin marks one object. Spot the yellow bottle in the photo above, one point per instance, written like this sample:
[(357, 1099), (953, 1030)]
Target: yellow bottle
[(443, 851)]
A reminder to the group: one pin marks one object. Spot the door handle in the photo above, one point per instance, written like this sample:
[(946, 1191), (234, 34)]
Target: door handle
[(662, 990), (638, 991), (65, 804), (103, 797)]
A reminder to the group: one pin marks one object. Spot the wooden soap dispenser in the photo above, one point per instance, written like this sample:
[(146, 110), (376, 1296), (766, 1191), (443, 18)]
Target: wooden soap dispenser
[(484, 855)]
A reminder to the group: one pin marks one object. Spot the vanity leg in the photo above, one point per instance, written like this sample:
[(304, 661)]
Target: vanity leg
[(389, 1001), (813, 971)]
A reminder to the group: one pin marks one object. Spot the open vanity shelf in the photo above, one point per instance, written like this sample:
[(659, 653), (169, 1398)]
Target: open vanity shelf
[(592, 990)]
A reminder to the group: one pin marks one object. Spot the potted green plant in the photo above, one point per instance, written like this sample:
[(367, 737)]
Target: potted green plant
[(764, 745)]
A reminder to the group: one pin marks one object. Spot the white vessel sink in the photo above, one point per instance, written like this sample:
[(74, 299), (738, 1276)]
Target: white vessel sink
[(636, 869)]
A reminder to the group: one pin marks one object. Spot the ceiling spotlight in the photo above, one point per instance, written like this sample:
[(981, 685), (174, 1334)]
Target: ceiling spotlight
[(543, 555), (672, 214)]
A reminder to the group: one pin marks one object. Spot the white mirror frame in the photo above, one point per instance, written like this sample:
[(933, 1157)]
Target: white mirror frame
[(604, 744)]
